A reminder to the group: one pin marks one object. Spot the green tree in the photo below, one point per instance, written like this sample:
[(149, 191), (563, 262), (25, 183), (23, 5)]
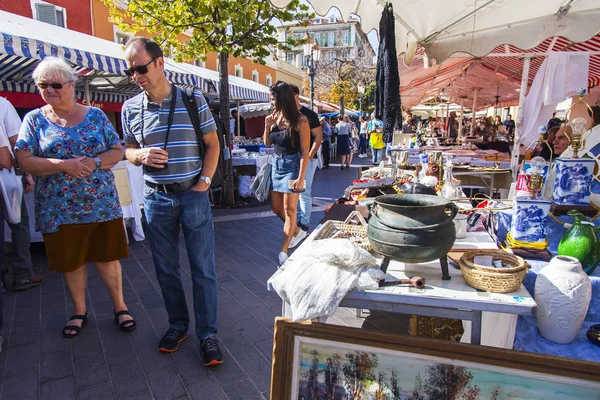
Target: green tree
[(418, 390), (394, 386), (447, 382), (312, 376), (193, 28)]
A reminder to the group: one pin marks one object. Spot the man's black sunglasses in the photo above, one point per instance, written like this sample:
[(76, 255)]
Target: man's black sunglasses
[(140, 69)]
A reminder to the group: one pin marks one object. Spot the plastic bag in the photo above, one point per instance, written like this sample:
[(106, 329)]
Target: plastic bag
[(12, 191), (262, 183), (245, 186)]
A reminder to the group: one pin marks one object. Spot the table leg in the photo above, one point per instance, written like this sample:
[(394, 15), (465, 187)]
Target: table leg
[(444, 265), (476, 327), (492, 185), (385, 263)]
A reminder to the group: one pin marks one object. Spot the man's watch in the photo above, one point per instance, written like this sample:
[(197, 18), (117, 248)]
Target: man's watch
[(98, 162), (206, 179)]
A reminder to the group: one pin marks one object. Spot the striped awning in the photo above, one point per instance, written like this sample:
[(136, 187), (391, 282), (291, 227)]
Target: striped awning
[(24, 42)]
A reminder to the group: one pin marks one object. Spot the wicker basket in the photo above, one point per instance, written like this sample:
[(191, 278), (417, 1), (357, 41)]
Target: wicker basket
[(353, 228), (497, 280)]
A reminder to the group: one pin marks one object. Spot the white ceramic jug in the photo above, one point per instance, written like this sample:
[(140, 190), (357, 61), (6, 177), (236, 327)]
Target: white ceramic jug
[(562, 293)]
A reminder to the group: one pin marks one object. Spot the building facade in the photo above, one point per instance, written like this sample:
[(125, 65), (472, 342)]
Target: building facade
[(70, 14), (337, 39)]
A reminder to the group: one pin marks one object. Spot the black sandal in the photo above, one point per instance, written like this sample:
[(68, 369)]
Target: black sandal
[(127, 325), (75, 328)]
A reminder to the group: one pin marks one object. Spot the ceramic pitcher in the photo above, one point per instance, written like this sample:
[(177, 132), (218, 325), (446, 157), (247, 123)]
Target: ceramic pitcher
[(562, 293)]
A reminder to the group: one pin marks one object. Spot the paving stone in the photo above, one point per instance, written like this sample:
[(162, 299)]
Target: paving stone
[(59, 389), (54, 341), (265, 347), (151, 300), (21, 359), (150, 358), (188, 362), (90, 371), (128, 380), (229, 372), (119, 352), (198, 386), (244, 390), (23, 386), (54, 321), (165, 384), (55, 366), (55, 286), (235, 311), (239, 346), (86, 344), (99, 391), (253, 330), (51, 302), (24, 335), (259, 371)]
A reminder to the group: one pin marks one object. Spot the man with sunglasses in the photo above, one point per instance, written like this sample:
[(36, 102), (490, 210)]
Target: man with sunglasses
[(160, 136)]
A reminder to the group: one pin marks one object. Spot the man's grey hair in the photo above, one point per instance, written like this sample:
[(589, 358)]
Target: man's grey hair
[(52, 67)]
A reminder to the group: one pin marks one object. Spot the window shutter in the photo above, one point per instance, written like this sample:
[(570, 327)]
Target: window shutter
[(46, 13)]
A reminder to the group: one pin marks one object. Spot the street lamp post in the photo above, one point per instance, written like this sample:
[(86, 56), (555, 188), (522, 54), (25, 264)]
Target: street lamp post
[(361, 92), (312, 52)]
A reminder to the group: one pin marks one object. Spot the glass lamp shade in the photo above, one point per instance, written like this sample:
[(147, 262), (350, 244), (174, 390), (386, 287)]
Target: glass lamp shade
[(361, 88), (578, 125), (316, 54), (307, 49)]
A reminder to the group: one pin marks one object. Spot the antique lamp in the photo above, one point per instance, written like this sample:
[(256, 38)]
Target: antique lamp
[(536, 180), (578, 127)]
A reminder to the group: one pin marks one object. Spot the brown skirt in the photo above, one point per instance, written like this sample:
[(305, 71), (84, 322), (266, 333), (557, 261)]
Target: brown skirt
[(75, 245)]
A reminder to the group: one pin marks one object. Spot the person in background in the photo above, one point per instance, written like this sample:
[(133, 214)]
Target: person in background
[(305, 200), (23, 276), (408, 126), (554, 121), (326, 129), (548, 144), (510, 125), (452, 127), (342, 130), (70, 148), (239, 128), (561, 141), (376, 139), (362, 145), (6, 161), (176, 193), (498, 121), (289, 130)]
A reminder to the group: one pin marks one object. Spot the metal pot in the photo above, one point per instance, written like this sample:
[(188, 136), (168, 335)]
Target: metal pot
[(412, 228)]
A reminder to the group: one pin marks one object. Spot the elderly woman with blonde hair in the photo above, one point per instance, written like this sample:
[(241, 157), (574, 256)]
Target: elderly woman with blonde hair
[(69, 148)]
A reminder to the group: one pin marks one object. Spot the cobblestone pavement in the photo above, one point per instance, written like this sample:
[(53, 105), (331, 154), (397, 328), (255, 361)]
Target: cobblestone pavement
[(105, 363)]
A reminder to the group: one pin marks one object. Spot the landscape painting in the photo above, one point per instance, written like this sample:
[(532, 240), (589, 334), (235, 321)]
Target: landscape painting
[(331, 370)]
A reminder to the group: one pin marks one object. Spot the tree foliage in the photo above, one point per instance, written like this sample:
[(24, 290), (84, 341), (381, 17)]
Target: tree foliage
[(447, 382), (332, 375), (359, 371), (193, 28), (312, 376), (394, 386)]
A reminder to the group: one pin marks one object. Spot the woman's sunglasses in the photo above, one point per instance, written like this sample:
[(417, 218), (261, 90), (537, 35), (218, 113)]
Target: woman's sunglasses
[(140, 69), (54, 85)]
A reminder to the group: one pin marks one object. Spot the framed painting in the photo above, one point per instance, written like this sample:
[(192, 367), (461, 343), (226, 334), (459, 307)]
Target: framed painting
[(319, 361)]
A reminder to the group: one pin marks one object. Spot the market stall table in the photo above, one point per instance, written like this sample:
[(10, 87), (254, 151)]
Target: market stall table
[(493, 316)]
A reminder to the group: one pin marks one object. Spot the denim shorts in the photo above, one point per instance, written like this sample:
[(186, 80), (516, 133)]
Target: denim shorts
[(283, 169)]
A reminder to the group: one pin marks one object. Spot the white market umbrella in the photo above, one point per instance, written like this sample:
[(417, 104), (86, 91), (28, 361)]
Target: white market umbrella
[(444, 27)]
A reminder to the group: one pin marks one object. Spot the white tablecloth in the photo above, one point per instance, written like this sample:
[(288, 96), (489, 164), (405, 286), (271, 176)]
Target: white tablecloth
[(258, 161)]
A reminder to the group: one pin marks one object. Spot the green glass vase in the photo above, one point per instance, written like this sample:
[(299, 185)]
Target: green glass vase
[(581, 241)]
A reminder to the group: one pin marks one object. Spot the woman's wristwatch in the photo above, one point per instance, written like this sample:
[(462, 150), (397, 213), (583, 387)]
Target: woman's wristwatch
[(98, 162)]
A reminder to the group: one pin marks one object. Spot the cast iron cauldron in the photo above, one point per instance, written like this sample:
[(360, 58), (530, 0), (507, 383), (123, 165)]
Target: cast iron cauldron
[(412, 228)]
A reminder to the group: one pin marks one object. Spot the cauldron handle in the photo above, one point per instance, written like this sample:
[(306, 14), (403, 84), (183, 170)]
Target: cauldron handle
[(453, 211)]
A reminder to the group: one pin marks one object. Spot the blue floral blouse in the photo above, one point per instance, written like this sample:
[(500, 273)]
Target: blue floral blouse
[(60, 199)]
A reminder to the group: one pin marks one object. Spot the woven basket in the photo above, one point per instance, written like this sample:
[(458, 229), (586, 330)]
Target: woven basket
[(496, 280), (353, 228)]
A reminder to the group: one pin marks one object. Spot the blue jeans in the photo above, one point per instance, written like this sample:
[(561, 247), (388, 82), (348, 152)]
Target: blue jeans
[(22, 264), (305, 199), (165, 214), (377, 155), (362, 144)]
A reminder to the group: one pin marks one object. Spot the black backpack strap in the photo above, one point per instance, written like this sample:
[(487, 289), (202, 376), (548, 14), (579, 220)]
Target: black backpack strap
[(189, 99)]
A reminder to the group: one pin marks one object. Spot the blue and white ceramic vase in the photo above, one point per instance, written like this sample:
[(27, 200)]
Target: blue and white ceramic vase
[(573, 182), (529, 219)]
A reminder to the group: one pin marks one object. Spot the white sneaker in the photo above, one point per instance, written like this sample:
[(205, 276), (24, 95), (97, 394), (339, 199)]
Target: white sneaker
[(297, 239), (282, 258)]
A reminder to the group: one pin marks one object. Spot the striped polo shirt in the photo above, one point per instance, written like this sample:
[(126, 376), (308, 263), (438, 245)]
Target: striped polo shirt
[(184, 153)]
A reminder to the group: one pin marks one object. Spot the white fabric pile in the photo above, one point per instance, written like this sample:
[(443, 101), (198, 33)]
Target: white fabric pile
[(315, 279)]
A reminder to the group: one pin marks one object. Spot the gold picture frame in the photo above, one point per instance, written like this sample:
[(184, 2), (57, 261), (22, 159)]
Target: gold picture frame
[(322, 361)]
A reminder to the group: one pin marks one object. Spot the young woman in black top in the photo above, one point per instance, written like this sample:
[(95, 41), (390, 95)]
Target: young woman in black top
[(289, 131)]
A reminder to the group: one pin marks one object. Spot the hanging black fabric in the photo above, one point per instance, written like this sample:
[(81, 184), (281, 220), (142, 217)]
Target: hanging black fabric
[(387, 89)]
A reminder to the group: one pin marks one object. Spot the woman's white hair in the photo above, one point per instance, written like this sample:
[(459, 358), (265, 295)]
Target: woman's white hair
[(51, 67)]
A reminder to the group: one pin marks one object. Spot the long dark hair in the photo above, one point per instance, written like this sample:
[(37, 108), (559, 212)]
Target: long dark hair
[(285, 102)]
